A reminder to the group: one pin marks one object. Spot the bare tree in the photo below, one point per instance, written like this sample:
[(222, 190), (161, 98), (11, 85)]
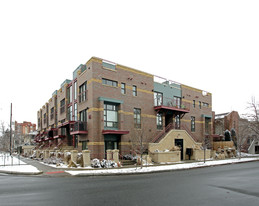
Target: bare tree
[(4, 138), (139, 140), (253, 116), (241, 138)]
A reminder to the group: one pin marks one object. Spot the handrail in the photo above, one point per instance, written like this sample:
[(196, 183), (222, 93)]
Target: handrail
[(190, 133), (162, 133)]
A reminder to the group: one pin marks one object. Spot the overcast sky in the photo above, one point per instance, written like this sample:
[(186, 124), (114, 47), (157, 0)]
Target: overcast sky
[(209, 45)]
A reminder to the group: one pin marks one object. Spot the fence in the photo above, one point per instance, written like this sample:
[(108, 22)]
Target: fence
[(8, 160)]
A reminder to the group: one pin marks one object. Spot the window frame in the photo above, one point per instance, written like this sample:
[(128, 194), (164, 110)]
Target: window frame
[(137, 118), (123, 88), (134, 90), (193, 124), (109, 82), (159, 121), (108, 110)]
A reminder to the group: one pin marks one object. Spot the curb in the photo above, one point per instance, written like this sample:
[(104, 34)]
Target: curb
[(158, 171), (20, 173)]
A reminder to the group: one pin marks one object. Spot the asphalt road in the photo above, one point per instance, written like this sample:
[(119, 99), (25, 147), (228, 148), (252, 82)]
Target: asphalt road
[(236, 184)]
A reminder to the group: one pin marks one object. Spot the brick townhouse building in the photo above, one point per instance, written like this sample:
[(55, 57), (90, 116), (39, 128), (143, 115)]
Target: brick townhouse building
[(106, 103)]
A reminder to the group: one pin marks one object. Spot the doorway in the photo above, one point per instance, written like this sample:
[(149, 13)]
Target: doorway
[(179, 143)]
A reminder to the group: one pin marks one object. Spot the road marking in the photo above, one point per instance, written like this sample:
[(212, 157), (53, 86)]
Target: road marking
[(56, 172)]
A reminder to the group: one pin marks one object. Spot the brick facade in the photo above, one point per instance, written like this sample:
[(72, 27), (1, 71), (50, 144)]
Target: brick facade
[(110, 93)]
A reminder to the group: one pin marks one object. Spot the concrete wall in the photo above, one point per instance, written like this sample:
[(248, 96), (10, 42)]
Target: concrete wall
[(172, 156), (168, 142), (222, 144)]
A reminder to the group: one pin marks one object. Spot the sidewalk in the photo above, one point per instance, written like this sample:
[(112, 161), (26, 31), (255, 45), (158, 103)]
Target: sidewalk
[(160, 168), (33, 167)]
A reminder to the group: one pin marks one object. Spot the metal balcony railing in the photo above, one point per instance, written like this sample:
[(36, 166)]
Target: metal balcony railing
[(173, 103), (78, 127)]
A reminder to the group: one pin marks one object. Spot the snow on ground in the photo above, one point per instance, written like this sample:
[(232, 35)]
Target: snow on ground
[(158, 168), (14, 165)]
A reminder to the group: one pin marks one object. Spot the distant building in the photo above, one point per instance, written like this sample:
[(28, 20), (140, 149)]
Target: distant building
[(226, 121), (24, 133)]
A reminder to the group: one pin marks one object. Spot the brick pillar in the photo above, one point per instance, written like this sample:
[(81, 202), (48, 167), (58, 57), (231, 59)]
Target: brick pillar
[(86, 158), (115, 155), (74, 155), (109, 154)]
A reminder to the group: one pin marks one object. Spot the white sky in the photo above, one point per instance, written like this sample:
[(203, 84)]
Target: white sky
[(210, 45)]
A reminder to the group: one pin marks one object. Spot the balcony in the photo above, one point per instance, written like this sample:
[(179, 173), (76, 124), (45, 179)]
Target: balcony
[(57, 133), (163, 103), (78, 127)]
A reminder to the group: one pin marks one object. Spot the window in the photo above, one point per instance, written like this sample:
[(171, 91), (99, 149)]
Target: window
[(62, 106), (45, 118), (134, 90), (52, 113), (110, 82), (193, 124), (159, 121), (110, 115), (82, 115), (158, 98), (123, 88), (205, 104), (137, 118), (193, 103), (69, 94), (82, 92), (70, 113), (75, 90), (177, 102), (84, 145), (200, 104), (75, 111), (38, 122), (177, 122)]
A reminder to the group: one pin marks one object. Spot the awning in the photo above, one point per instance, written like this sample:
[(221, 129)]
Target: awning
[(66, 123), (171, 109), (121, 132)]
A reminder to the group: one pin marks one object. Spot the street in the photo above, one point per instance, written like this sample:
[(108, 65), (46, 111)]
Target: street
[(235, 184)]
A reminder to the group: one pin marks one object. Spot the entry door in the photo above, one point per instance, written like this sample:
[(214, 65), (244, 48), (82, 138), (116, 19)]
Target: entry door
[(179, 143)]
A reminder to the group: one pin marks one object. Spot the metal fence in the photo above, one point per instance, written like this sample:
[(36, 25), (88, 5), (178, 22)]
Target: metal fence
[(9, 160)]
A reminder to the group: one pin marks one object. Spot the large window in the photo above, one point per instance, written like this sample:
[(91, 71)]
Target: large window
[(82, 115), (75, 111), (82, 92), (193, 124), (69, 94), (109, 82), (45, 118), (177, 122), (159, 121), (110, 115), (137, 118), (177, 102), (75, 90), (158, 99), (52, 113), (62, 106), (70, 113), (134, 88)]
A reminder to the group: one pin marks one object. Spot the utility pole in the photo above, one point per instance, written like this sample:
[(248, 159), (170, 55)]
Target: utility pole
[(11, 130)]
